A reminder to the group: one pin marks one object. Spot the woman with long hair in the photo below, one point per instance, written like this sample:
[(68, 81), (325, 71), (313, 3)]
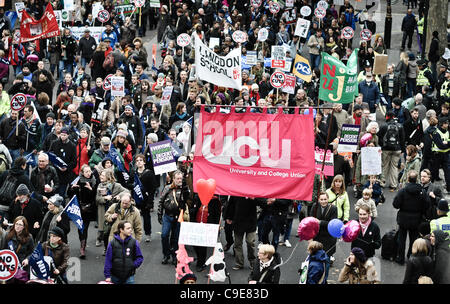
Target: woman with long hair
[(180, 114), (19, 239), (401, 70), (419, 263), (124, 148), (338, 196), (62, 102), (96, 63)]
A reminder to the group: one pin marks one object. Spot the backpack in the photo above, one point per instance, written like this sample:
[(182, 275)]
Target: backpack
[(108, 63), (8, 190), (389, 245), (391, 139), (3, 163)]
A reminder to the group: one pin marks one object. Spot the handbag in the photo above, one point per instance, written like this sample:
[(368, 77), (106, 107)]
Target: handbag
[(186, 216), (21, 275)]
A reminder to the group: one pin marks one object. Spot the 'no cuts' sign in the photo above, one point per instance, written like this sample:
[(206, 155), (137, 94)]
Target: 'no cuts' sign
[(277, 79), (9, 264), (183, 40), (239, 36), (107, 82), (18, 102)]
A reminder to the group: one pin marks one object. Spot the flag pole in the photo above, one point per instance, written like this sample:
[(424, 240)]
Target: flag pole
[(326, 145)]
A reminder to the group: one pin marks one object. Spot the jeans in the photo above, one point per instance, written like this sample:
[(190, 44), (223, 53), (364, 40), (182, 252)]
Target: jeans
[(62, 190), (84, 61), (116, 280), (410, 38), (315, 61), (83, 236), (434, 70), (145, 212), (401, 241), (14, 154), (410, 87), (287, 231), (169, 235), (64, 65), (440, 160), (272, 223)]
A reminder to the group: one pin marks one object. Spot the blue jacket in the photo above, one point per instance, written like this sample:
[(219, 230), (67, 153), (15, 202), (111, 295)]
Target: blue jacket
[(371, 94), (316, 267)]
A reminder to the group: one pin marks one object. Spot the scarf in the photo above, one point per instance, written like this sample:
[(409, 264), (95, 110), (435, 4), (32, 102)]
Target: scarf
[(24, 205), (91, 180), (357, 119), (365, 226), (263, 265)]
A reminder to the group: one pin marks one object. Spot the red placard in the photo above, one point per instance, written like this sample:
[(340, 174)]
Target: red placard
[(245, 153), (32, 29)]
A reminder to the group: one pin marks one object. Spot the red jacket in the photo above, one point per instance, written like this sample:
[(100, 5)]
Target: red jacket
[(82, 155), (127, 157)]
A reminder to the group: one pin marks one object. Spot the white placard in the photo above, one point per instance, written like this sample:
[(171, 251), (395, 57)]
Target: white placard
[(58, 16), (371, 160), (305, 11), (117, 86), (251, 58), (65, 15), (302, 27), (198, 234), (68, 5), (20, 6), (213, 41), (263, 34), (95, 32), (96, 7), (323, 4), (290, 3)]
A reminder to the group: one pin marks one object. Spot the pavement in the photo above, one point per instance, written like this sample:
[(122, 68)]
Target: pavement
[(90, 270)]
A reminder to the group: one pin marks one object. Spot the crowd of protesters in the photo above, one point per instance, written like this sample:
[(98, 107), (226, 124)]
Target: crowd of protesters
[(104, 140)]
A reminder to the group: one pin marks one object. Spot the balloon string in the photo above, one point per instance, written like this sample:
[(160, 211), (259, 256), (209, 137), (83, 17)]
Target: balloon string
[(282, 263)]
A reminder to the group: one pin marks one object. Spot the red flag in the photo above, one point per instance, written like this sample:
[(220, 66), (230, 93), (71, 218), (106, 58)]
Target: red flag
[(32, 29)]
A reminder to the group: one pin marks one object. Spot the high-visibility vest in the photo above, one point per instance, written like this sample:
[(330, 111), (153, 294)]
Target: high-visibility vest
[(445, 89), (421, 79), (442, 223), (444, 137), (420, 25)]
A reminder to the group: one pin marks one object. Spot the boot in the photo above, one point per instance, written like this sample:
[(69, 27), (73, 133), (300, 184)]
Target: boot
[(99, 240), (83, 249)]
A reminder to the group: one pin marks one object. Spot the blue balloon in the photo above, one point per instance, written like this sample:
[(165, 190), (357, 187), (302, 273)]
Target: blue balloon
[(335, 228)]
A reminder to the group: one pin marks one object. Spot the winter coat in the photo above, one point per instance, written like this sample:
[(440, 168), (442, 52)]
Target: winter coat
[(370, 241), (409, 23), (242, 212), (13, 142), (416, 266), (25, 249), (50, 221), (170, 205), (441, 274), (50, 178), (82, 154), (85, 195), (132, 215), (67, 152), (432, 203), (323, 236), (87, 47), (60, 255), (371, 94), (318, 264), (412, 69), (32, 212), (411, 126), (412, 206), (401, 136), (268, 275), (367, 275), (342, 202), (21, 177), (410, 165), (371, 204), (113, 189)]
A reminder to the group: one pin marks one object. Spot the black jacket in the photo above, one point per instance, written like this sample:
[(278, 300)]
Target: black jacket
[(21, 176), (32, 212), (50, 178), (441, 274), (67, 152), (385, 85), (410, 126), (323, 236), (87, 47), (8, 134), (412, 206), (370, 241), (242, 211), (416, 266), (269, 275), (401, 133)]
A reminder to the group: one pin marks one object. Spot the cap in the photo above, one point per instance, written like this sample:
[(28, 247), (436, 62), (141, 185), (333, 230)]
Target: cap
[(359, 254), (130, 107), (255, 86), (57, 231), (411, 56), (122, 133), (443, 120), (65, 130), (245, 72), (188, 276), (56, 200), (87, 30), (122, 126), (367, 64), (421, 62), (105, 141), (22, 190), (443, 205)]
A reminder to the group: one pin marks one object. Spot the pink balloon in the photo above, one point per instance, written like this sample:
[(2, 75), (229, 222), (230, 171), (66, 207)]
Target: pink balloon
[(351, 231), (308, 228), (365, 139)]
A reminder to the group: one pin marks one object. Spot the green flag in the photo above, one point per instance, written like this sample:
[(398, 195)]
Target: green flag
[(338, 82)]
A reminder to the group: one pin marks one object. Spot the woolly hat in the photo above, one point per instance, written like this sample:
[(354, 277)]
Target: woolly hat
[(57, 231), (359, 254), (105, 141), (22, 190), (122, 133), (188, 276), (56, 200), (65, 130), (443, 205), (50, 114)]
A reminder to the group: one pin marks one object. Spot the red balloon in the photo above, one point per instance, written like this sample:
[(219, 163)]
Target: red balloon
[(206, 189), (351, 231), (308, 228)]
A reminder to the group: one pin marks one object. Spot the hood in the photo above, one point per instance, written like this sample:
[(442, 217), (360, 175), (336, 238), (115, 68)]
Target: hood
[(276, 259), (319, 256), (413, 188), (117, 237), (430, 130), (440, 236)]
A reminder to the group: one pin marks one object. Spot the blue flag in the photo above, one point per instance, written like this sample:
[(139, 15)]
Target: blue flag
[(31, 160), (114, 156), (37, 263), (12, 17), (138, 195), (74, 213), (176, 151), (56, 160)]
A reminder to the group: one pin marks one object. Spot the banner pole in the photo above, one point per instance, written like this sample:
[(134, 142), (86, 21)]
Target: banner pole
[(277, 97), (17, 125), (327, 142), (140, 14), (90, 134), (182, 55)]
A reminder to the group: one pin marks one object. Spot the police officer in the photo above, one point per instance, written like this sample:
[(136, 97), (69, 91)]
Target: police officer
[(440, 148), (443, 220), (444, 92), (424, 76)]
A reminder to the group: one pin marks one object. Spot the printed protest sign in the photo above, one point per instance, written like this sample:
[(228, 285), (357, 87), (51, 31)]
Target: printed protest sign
[(371, 160), (328, 170), (9, 264), (349, 138), (302, 27), (162, 157), (278, 56), (117, 86), (167, 93)]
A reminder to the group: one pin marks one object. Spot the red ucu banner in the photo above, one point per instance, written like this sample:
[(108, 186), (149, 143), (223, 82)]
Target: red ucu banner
[(256, 154)]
